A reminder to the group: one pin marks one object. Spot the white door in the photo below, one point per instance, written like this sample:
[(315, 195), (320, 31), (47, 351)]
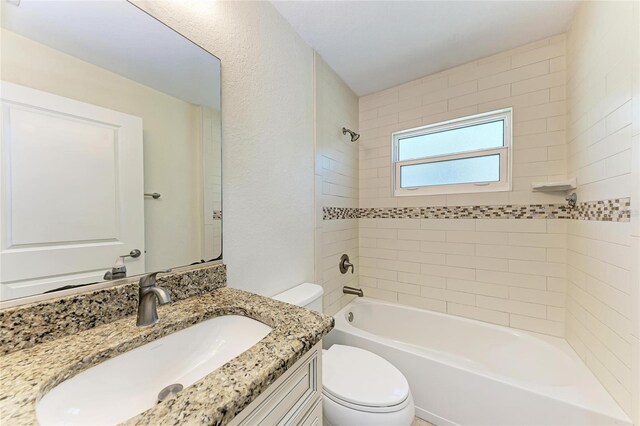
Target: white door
[(72, 191)]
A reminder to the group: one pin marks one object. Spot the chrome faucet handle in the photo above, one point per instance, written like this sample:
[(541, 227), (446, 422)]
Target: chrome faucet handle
[(345, 264), (149, 280)]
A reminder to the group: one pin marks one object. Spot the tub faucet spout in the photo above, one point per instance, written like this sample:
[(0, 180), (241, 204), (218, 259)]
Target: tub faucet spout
[(352, 290)]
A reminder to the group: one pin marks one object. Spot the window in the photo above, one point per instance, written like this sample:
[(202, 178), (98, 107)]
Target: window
[(469, 154)]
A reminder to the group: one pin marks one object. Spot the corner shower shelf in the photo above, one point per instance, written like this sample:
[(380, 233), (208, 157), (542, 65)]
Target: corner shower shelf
[(561, 185)]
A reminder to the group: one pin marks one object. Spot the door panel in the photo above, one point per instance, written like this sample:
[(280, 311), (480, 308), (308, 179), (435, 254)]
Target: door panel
[(81, 155), (74, 165)]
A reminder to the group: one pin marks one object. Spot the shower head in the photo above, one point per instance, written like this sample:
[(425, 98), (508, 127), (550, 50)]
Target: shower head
[(354, 136)]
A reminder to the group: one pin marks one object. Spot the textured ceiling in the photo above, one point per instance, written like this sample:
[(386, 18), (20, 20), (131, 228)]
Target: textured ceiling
[(374, 45)]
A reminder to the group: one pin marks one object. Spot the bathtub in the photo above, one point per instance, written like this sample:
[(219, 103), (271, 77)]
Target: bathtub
[(467, 372)]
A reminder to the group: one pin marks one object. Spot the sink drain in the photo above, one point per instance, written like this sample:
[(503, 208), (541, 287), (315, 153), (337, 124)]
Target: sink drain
[(169, 391)]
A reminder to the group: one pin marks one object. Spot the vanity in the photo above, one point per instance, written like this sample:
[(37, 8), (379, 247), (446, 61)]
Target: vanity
[(273, 377)]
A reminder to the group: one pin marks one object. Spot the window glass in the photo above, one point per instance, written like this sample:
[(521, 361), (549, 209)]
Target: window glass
[(452, 141), (447, 172)]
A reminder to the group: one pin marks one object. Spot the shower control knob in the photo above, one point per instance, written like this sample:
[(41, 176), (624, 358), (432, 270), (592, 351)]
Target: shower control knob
[(345, 264)]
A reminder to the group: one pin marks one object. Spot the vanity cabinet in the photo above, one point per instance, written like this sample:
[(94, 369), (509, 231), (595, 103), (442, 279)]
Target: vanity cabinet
[(294, 399)]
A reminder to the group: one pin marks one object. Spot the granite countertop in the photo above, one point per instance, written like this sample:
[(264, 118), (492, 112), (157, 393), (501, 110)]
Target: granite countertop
[(26, 375)]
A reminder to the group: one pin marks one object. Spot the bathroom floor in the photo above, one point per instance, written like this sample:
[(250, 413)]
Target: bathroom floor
[(419, 422)]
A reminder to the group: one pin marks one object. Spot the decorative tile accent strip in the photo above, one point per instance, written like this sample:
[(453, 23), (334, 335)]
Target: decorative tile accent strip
[(26, 325), (533, 211), (330, 213), (393, 213), (617, 210)]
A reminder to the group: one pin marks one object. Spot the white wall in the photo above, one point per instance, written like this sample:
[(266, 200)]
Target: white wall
[(336, 106), (603, 293), (267, 125), (508, 272)]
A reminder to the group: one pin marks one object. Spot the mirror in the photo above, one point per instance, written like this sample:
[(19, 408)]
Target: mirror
[(111, 146)]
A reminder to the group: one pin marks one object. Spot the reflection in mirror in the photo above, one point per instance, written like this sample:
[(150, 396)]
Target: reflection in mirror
[(111, 146)]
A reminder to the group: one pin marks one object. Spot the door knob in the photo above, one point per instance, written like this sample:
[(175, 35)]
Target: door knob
[(133, 253), (119, 270)]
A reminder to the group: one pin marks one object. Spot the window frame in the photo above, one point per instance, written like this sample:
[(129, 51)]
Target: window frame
[(504, 184)]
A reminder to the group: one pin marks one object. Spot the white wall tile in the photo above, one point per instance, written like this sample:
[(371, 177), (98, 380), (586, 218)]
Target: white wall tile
[(514, 75), (337, 182), (548, 298), (554, 50), (488, 315), (555, 328), (478, 262), (423, 302), (448, 295), (512, 225), (511, 252), (512, 273), (476, 287), (600, 258)]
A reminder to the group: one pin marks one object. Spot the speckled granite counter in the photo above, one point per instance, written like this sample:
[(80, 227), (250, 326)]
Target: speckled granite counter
[(26, 375), (26, 325)]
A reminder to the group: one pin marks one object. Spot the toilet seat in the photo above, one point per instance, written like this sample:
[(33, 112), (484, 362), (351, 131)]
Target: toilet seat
[(363, 381), (367, 409)]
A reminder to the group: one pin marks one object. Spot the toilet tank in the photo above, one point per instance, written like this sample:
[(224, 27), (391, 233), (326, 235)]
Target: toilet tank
[(307, 295)]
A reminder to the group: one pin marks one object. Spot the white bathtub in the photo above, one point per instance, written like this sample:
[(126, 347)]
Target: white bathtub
[(467, 372)]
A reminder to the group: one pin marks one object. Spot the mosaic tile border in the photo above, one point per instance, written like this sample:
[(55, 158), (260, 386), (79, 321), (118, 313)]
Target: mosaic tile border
[(614, 210), (329, 213)]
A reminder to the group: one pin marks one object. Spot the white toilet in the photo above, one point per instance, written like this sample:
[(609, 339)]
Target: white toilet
[(359, 387)]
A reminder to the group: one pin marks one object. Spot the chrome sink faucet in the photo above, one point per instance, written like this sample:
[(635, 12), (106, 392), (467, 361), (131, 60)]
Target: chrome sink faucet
[(148, 294)]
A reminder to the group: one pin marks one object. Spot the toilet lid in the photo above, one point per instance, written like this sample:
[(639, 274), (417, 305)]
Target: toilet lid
[(363, 378)]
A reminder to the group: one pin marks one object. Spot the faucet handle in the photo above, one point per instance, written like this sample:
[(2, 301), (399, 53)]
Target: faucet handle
[(149, 280), (345, 264)]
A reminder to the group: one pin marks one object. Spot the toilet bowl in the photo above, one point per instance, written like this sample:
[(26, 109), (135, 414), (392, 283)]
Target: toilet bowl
[(362, 388), (359, 387)]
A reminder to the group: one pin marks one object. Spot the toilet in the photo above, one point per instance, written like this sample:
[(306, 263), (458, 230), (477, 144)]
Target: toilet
[(359, 387)]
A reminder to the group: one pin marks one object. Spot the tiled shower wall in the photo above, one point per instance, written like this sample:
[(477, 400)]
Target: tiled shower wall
[(531, 79), (509, 272), (336, 174), (504, 271), (602, 292)]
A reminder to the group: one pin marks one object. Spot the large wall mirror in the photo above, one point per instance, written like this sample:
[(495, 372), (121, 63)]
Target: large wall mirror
[(111, 146)]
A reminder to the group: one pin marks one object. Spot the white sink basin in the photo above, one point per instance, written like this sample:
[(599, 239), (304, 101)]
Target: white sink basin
[(126, 385)]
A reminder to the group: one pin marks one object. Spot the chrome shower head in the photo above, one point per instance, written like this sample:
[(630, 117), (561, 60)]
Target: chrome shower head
[(354, 136)]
